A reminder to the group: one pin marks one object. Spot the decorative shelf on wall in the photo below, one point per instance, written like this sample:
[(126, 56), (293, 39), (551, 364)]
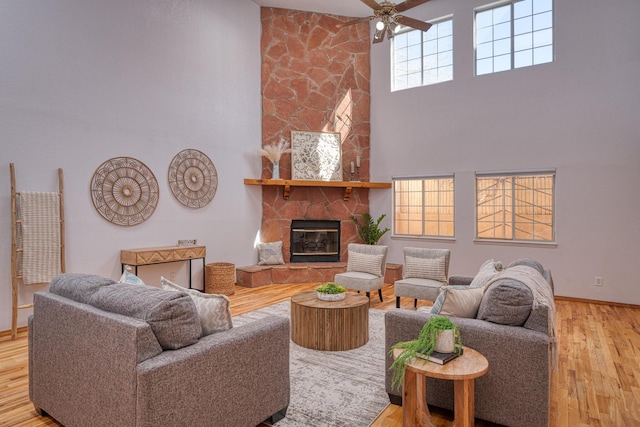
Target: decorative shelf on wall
[(288, 183)]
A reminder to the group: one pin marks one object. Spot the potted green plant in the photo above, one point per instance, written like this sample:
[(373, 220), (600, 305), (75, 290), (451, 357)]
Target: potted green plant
[(368, 229), (331, 292), (436, 329)]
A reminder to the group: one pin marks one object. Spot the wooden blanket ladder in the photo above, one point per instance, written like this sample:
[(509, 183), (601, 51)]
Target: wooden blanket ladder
[(17, 250)]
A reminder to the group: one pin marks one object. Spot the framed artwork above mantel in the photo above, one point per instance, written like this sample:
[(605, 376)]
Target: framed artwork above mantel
[(316, 156)]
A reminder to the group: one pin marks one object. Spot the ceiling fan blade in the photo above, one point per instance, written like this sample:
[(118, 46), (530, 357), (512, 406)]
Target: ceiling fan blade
[(413, 23), (378, 36), (354, 21), (408, 4), (372, 4)]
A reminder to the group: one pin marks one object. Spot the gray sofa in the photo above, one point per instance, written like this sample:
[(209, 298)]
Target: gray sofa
[(93, 367), (515, 392)]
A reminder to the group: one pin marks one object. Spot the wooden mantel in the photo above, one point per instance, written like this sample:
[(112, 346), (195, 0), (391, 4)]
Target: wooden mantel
[(288, 183)]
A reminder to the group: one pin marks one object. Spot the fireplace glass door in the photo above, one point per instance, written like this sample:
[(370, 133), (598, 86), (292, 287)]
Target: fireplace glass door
[(315, 241)]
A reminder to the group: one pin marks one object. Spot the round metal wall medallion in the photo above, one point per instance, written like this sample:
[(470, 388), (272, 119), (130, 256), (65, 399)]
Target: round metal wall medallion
[(124, 191), (193, 178)]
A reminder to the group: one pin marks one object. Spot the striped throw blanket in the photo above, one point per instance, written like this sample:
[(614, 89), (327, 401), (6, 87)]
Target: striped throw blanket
[(40, 222)]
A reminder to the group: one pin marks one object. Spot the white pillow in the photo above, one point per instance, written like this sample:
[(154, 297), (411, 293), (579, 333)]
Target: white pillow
[(365, 263), (130, 278), (270, 253), (213, 309), (425, 268), (487, 270), (458, 301)]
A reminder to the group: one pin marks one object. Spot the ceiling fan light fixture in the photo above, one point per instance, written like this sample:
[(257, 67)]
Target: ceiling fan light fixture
[(390, 23)]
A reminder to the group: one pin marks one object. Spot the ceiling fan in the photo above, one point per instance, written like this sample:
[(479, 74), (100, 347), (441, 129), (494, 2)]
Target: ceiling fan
[(387, 12)]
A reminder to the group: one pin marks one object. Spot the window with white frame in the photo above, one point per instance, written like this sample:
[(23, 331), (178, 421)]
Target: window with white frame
[(518, 207), (421, 58), (423, 206), (513, 35)]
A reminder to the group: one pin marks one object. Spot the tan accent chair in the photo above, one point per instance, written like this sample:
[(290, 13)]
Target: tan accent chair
[(365, 279), (418, 287)]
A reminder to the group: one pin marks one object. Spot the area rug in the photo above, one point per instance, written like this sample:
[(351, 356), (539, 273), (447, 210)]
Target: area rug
[(333, 388)]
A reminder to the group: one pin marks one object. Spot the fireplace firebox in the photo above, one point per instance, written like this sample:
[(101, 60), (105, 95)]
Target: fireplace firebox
[(315, 241)]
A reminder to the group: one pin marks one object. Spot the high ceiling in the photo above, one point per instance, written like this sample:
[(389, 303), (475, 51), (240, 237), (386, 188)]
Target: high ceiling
[(335, 7)]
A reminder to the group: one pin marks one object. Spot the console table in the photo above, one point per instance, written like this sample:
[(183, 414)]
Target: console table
[(162, 255)]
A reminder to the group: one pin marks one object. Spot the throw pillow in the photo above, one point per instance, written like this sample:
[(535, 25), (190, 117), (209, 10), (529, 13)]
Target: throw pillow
[(425, 268), (487, 271), (130, 278), (458, 301), (270, 253), (529, 262), (172, 315), (506, 302), (214, 311), (365, 263)]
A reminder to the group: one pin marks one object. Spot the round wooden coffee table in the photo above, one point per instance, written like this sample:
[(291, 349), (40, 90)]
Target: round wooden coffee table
[(463, 370), (329, 325)]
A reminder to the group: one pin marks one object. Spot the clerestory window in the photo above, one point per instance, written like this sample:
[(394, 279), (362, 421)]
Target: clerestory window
[(422, 58), (513, 35)]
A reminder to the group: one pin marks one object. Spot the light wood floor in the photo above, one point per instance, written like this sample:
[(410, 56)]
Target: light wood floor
[(597, 383)]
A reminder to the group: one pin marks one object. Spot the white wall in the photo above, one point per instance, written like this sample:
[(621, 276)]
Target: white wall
[(580, 115), (84, 81)]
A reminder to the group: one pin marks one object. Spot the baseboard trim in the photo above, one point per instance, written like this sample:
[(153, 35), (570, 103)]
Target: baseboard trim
[(8, 332), (595, 301)]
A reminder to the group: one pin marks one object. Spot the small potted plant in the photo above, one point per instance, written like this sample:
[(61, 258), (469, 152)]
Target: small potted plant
[(368, 229), (438, 334), (331, 292)]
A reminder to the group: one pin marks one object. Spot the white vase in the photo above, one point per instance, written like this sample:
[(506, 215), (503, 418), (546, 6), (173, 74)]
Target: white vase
[(331, 297), (445, 342), (276, 170)]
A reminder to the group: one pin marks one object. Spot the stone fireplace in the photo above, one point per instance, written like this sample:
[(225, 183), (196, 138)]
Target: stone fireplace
[(315, 78)]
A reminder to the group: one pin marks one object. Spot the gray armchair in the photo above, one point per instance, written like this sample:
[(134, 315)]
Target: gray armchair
[(365, 268), (423, 274)]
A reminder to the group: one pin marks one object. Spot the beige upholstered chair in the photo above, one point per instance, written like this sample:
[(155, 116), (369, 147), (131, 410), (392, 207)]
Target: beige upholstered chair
[(424, 272), (365, 268)]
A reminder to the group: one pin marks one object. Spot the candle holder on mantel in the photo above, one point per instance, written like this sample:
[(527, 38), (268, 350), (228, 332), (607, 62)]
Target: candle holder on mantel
[(355, 170)]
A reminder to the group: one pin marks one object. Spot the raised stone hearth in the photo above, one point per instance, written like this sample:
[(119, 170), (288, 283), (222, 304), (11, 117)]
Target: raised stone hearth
[(254, 276), (259, 275)]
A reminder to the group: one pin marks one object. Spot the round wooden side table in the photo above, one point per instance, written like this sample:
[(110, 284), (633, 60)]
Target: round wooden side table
[(463, 370), (329, 325)]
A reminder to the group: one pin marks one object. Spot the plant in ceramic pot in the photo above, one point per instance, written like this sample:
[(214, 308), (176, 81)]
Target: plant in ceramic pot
[(331, 292), (368, 229), (438, 334), (273, 152)]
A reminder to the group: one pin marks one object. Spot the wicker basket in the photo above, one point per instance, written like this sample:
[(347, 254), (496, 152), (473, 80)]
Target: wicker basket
[(220, 278)]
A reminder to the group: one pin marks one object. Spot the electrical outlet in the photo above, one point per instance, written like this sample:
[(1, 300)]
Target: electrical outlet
[(598, 281), (187, 242)]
